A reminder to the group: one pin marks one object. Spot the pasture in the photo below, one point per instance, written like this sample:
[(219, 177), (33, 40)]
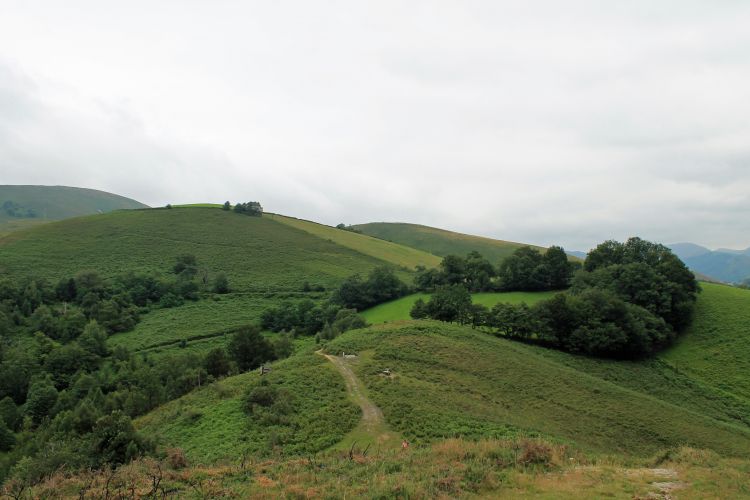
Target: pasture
[(399, 309)]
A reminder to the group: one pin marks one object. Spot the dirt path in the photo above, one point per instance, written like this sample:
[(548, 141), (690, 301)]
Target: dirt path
[(372, 427), (372, 417)]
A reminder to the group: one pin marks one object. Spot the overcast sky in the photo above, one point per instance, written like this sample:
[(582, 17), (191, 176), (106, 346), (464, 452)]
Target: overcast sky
[(545, 122)]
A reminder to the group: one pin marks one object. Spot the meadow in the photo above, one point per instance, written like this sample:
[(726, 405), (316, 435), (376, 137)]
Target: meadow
[(499, 388), (399, 309)]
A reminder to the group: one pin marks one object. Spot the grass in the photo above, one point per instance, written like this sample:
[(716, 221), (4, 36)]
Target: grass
[(399, 309), (449, 469), (439, 241), (715, 350), (209, 424), (399, 255), (499, 388), (256, 253)]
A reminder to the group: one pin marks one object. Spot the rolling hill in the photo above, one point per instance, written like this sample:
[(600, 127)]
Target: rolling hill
[(26, 206), (267, 259), (439, 241)]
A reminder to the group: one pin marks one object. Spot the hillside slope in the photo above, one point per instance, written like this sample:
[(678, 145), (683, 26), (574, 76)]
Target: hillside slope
[(499, 388), (256, 253), (24, 206), (439, 241), (395, 253)]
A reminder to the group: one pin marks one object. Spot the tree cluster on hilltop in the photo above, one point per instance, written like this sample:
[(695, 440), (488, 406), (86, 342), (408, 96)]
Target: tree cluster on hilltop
[(248, 208), (630, 300)]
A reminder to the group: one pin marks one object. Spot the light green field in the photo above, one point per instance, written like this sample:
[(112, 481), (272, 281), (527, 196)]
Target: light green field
[(396, 254), (439, 241), (399, 309), (454, 381), (209, 424), (198, 205)]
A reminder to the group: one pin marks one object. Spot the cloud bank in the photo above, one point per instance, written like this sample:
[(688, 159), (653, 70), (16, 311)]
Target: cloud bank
[(531, 121)]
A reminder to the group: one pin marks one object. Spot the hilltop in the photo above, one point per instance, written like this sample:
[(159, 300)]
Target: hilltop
[(25, 206), (439, 241)]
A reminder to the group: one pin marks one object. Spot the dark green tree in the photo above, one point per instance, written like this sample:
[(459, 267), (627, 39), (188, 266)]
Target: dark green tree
[(217, 362), (249, 349), (227, 206)]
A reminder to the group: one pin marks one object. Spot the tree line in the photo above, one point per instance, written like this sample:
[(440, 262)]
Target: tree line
[(527, 269), (629, 300), (253, 208)]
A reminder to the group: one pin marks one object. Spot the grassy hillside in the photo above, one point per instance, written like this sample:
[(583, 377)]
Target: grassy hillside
[(257, 254), (401, 255), (38, 204), (399, 309), (210, 424), (716, 348), (439, 241), (499, 388)]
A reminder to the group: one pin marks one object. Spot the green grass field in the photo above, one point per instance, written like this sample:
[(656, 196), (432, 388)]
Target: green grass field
[(209, 424), (439, 241), (399, 309), (716, 348), (502, 388), (399, 255)]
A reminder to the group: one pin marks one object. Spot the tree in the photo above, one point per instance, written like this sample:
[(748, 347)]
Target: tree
[(557, 267), (226, 206), (9, 413), (217, 362), (186, 266), (479, 273), (249, 349), (347, 319), (7, 439), (419, 309), (221, 284), (94, 339), (522, 270), (41, 398), (115, 440), (453, 269), (450, 303)]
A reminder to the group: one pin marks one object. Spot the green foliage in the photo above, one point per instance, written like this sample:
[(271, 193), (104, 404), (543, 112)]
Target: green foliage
[(217, 362), (226, 206), (449, 303), (41, 399), (10, 414), (249, 349), (7, 439), (221, 284), (250, 208), (115, 440), (528, 269), (381, 285)]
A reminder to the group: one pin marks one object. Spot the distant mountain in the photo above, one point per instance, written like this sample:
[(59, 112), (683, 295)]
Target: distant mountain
[(577, 254), (731, 266), (24, 206)]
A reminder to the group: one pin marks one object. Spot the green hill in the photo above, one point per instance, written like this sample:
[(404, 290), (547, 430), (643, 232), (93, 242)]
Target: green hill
[(266, 261), (439, 241), (26, 206), (498, 388)]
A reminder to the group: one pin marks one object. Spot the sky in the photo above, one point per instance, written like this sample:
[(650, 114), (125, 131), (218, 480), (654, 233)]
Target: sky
[(543, 122)]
